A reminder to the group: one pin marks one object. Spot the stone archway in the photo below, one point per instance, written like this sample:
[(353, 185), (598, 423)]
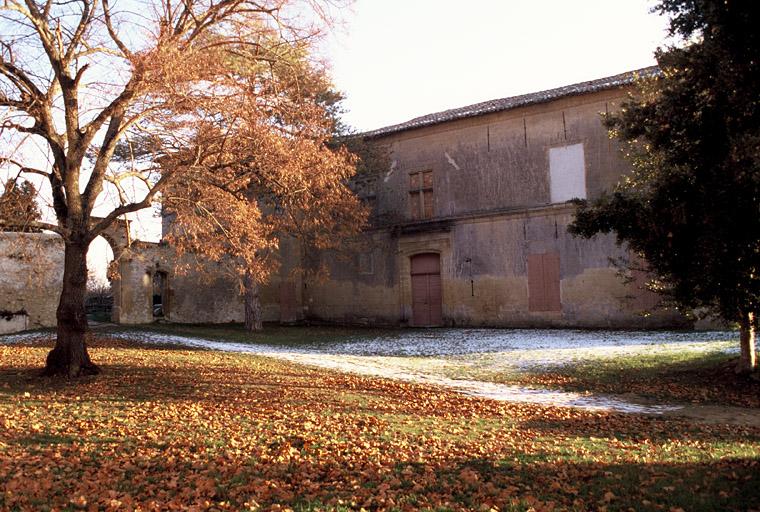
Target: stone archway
[(119, 239)]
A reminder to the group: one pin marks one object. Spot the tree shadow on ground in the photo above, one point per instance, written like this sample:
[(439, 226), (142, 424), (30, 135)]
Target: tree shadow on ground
[(708, 378)]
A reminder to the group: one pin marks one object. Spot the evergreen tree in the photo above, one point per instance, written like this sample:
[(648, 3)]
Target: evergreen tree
[(18, 206), (691, 206)]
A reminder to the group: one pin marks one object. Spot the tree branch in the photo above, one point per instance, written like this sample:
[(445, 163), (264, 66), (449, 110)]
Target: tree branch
[(112, 32), (103, 224), (37, 225), (23, 168)]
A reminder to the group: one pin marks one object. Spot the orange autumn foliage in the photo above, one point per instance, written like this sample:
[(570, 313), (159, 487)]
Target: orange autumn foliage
[(201, 102)]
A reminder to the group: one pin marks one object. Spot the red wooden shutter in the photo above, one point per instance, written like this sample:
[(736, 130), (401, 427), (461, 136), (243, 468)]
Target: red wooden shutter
[(544, 282)]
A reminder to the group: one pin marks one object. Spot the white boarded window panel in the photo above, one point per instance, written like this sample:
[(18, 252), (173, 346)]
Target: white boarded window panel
[(567, 173)]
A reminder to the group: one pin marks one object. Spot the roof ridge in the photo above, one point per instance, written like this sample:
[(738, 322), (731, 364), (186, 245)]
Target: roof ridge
[(508, 103)]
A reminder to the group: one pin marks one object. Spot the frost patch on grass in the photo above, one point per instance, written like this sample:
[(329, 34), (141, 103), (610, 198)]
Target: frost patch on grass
[(415, 369), (437, 342), (452, 357), (25, 337)]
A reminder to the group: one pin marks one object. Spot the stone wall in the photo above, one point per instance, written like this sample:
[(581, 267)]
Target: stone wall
[(195, 292), (497, 202), (501, 160), (485, 277), (31, 270)]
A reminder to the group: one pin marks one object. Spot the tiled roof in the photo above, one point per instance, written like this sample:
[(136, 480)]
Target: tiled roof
[(500, 105)]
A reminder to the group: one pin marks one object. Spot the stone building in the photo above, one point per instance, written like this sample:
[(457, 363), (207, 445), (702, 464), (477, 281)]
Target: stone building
[(471, 215), (469, 228)]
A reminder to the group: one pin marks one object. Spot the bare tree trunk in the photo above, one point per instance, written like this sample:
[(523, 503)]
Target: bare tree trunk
[(747, 331), (69, 357), (253, 315)]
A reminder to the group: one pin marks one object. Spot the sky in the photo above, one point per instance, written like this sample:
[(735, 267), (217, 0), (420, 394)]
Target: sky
[(399, 59)]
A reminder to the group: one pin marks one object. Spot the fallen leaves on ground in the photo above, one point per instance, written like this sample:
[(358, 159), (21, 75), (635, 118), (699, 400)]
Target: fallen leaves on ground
[(202, 430)]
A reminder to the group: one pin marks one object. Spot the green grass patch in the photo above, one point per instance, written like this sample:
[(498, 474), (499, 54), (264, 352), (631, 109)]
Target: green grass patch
[(273, 334)]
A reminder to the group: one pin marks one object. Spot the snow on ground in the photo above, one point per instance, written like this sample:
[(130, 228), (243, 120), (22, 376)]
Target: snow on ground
[(434, 356), (23, 337)]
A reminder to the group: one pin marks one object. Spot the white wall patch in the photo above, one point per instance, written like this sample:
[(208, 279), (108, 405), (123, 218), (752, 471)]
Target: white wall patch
[(390, 171), (567, 173), (451, 161)]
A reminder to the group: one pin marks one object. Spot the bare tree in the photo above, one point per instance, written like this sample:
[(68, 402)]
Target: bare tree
[(199, 83)]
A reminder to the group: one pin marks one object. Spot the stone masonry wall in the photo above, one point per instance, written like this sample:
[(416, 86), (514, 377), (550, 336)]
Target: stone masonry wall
[(493, 209), (31, 271), (196, 293)]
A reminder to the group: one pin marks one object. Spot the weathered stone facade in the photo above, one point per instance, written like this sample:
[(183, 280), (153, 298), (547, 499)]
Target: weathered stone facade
[(31, 270), (496, 214), (469, 228)]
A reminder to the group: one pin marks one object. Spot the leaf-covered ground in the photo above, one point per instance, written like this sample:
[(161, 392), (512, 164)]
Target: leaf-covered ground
[(176, 429)]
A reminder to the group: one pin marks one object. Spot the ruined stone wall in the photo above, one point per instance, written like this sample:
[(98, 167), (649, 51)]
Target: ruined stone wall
[(494, 208), (31, 271), (195, 292)]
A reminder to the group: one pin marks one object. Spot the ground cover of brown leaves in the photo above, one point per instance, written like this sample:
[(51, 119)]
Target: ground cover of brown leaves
[(165, 429)]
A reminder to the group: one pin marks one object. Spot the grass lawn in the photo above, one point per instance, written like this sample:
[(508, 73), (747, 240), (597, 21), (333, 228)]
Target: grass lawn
[(668, 373), (705, 378), (177, 429)]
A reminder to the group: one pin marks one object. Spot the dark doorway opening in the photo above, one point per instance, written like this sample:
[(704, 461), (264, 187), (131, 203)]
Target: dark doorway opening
[(160, 295)]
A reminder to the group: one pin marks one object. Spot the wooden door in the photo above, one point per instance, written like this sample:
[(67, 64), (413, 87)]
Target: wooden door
[(426, 290), (544, 282)]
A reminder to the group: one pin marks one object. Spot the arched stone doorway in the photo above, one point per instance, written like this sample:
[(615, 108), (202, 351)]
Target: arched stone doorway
[(99, 298), (119, 239)]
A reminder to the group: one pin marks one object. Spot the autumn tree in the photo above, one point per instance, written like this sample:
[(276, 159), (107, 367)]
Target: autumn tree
[(18, 206), (691, 206), (193, 79), (267, 175)]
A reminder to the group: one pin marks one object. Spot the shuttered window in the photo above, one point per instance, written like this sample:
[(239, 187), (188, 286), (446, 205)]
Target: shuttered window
[(365, 263), (543, 282), (421, 195)]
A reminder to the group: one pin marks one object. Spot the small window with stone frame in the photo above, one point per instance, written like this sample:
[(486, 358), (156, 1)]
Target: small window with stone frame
[(421, 195), (365, 262)]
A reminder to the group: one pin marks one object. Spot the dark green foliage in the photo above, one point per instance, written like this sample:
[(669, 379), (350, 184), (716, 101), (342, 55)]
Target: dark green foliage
[(691, 206), (18, 207), (371, 157)]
